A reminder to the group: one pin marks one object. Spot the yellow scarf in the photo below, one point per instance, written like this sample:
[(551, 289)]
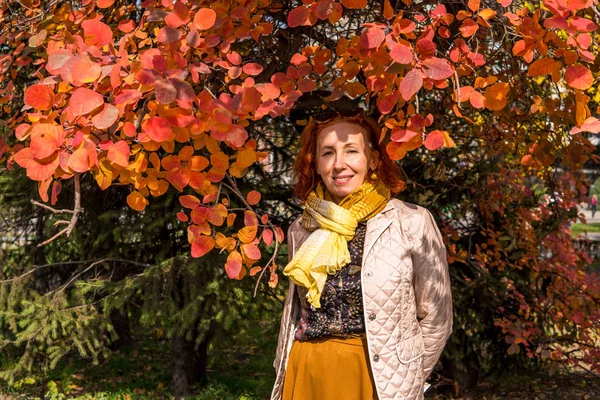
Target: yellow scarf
[(332, 226)]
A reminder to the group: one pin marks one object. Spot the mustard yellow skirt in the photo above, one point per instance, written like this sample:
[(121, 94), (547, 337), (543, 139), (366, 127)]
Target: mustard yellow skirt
[(329, 369)]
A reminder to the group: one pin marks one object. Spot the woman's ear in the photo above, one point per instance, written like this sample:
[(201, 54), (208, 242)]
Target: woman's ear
[(374, 160)]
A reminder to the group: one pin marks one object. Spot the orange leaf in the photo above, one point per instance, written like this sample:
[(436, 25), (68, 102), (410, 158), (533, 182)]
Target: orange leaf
[(37, 170), (136, 201), (473, 5), (233, 266), (40, 97), (354, 4), (388, 11), (543, 66), (104, 3), (84, 101), (96, 33), (38, 38), (468, 27), (198, 163), (495, 96), (106, 118), (202, 245), (247, 234), (79, 70), (255, 270), (158, 129), (119, 153), (251, 252), (45, 139), (253, 197), (579, 77), (205, 19)]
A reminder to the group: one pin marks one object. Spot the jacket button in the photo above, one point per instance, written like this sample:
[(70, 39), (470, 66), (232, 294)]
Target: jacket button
[(371, 317), (376, 357), (369, 274)]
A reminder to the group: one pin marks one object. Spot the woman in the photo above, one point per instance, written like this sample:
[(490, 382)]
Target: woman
[(368, 309)]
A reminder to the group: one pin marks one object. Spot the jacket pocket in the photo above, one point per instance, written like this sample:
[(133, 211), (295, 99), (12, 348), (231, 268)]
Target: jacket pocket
[(408, 350)]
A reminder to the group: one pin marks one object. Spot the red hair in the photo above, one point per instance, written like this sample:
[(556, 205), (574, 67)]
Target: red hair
[(305, 170)]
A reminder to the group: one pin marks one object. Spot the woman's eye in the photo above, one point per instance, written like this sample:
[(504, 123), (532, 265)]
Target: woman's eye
[(352, 151), (327, 153)]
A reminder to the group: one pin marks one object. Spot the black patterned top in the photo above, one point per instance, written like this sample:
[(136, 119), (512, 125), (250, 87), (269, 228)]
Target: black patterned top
[(341, 312)]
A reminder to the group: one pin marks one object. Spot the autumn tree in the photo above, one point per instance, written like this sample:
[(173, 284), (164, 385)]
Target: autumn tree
[(487, 105)]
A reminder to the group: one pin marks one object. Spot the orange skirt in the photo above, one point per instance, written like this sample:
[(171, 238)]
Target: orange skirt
[(329, 369)]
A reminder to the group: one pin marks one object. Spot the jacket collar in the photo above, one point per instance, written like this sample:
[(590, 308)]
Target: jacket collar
[(376, 226)]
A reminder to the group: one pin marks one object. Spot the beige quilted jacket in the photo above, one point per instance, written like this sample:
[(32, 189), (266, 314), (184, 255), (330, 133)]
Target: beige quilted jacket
[(406, 296)]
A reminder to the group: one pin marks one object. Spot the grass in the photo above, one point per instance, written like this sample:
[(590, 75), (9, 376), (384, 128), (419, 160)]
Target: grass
[(578, 229), (240, 368)]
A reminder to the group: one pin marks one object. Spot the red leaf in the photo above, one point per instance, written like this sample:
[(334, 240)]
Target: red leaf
[(438, 68), (119, 153), (158, 129), (401, 54), (106, 118), (202, 245), (253, 197), (233, 266), (298, 16), (402, 135), (168, 35), (205, 19), (591, 124), (189, 201), (372, 37), (96, 33), (40, 97), (412, 82), (84, 101), (126, 25), (253, 68), (179, 16), (298, 59), (434, 140), (128, 96), (164, 91), (267, 237), (579, 77)]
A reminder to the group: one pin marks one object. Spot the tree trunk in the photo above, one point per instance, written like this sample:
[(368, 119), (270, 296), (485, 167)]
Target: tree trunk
[(120, 321), (182, 360)]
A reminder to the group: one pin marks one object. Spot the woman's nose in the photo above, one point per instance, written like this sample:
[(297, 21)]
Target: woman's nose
[(340, 162)]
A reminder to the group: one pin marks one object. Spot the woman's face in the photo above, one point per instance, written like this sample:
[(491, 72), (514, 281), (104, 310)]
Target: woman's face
[(344, 158)]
